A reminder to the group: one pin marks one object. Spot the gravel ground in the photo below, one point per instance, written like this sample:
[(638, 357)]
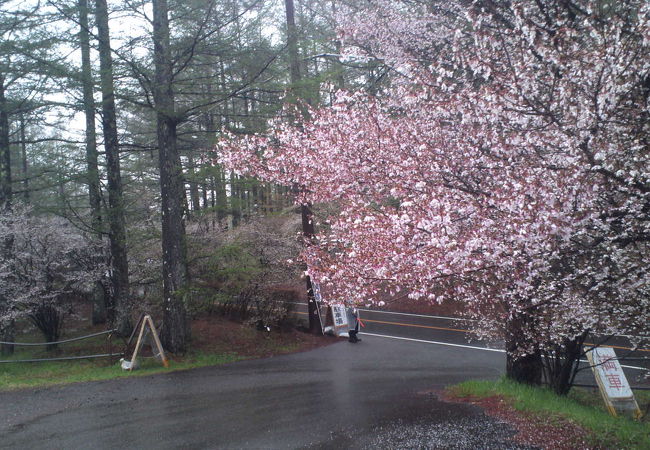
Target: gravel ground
[(469, 433), (445, 426)]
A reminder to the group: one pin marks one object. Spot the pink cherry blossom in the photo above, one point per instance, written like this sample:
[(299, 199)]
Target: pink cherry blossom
[(506, 166)]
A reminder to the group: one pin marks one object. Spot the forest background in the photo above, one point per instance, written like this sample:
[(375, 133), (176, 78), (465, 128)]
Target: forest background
[(106, 111)]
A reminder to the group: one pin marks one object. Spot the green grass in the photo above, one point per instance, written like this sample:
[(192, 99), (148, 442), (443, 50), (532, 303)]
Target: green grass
[(23, 375), (241, 343), (580, 407)]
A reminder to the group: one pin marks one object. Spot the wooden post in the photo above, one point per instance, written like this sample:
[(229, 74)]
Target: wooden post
[(148, 321), (154, 332), (138, 344)]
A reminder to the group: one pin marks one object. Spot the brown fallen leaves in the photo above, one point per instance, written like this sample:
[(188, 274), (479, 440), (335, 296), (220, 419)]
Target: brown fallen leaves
[(546, 432)]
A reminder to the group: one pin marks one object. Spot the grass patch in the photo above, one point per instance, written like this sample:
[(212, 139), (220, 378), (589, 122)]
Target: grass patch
[(24, 375), (216, 341), (581, 407)]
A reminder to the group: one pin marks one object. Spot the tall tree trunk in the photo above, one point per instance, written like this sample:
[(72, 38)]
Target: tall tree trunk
[(204, 195), (61, 180), (292, 42), (235, 203), (307, 222), (243, 201), (223, 206), (269, 198), (562, 362), (221, 198), (213, 201), (7, 328), (99, 313), (6, 189), (522, 368), (194, 185), (186, 213), (255, 194), (23, 154), (310, 234), (92, 167), (261, 199), (120, 311), (176, 331), (338, 67)]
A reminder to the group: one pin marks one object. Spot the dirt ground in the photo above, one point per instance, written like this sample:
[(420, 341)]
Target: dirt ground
[(213, 333)]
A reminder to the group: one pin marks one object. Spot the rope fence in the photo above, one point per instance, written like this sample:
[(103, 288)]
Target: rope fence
[(110, 353), (63, 358), (36, 344)]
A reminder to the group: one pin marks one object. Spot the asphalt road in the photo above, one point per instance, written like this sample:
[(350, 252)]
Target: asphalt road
[(380, 393), (446, 331)]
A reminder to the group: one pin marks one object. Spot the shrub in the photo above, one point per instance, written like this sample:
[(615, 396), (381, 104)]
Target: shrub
[(243, 278), (44, 262)]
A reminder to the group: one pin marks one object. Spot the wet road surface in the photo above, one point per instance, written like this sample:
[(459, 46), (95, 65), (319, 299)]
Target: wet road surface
[(449, 331), (379, 393)]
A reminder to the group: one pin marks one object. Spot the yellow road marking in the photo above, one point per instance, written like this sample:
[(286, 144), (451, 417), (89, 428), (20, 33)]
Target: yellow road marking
[(466, 331), (407, 324), (619, 347), (415, 325)]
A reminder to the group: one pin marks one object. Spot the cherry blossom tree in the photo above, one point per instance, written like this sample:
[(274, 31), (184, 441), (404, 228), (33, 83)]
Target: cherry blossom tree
[(507, 166), (47, 263)]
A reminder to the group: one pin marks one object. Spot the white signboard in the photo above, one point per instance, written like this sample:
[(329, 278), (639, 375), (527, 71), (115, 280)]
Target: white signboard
[(339, 327), (340, 319), (610, 373), (612, 382)]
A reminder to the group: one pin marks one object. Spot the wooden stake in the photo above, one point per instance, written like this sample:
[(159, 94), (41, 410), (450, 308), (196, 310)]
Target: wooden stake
[(147, 320), (157, 340), (138, 343)]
